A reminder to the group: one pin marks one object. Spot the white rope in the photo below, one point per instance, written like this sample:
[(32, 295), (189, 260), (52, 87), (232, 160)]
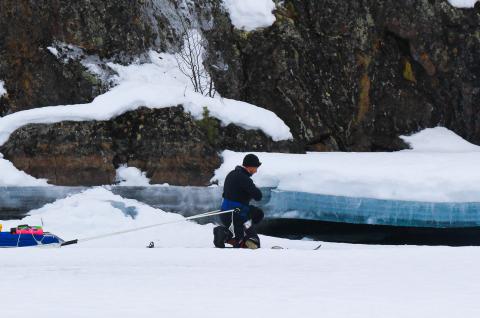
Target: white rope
[(193, 217), (18, 240), (231, 228), (33, 236)]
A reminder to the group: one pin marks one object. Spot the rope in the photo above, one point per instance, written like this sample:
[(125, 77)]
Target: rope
[(33, 237), (193, 217)]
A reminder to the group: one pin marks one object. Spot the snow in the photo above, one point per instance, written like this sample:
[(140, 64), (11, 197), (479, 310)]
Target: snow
[(439, 139), (155, 85), (66, 53), (98, 211), (463, 3), (194, 47), (3, 91), (441, 167), (11, 176), (131, 176), (187, 277), (54, 51), (336, 282), (249, 15)]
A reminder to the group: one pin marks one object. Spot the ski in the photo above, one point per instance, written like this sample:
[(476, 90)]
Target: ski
[(275, 247)]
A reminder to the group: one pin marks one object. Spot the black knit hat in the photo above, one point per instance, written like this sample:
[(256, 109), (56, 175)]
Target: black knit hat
[(251, 160)]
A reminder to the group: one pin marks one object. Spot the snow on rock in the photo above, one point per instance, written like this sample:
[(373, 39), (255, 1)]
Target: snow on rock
[(444, 168), (249, 15), (463, 3), (54, 51), (11, 176), (439, 139), (156, 85), (131, 176), (3, 91), (65, 53)]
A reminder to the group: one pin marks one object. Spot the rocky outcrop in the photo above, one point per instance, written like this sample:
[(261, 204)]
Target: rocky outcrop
[(167, 143), (343, 75), (117, 30), (353, 75)]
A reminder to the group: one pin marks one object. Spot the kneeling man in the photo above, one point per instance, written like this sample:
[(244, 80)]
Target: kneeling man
[(238, 227)]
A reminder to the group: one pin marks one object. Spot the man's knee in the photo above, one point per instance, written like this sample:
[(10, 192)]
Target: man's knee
[(256, 214)]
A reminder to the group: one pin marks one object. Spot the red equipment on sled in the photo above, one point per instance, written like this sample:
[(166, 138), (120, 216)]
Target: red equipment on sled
[(27, 229)]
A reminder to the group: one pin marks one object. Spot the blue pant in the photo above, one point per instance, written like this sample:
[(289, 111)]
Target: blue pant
[(239, 219)]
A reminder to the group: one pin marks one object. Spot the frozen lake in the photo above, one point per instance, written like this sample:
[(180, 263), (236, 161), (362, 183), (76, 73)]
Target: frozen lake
[(15, 202)]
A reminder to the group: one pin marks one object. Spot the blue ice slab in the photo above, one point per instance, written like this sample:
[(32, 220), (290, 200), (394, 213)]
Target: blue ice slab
[(15, 202), (301, 205)]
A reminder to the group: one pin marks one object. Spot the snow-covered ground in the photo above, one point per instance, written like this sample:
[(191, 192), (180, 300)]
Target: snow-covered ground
[(99, 211), (440, 167), (335, 281), (187, 277)]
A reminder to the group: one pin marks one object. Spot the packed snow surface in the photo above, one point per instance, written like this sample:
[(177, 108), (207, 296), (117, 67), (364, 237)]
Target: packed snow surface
[(440, 167), (187, 277), (249, 15), (463, 3), (131, 176), (3, 91)]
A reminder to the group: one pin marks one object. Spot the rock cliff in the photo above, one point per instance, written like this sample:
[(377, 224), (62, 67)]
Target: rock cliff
[(353, 75), (343, 75)]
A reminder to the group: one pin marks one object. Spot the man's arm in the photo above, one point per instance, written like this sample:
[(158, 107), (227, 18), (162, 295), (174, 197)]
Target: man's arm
[(252, 189)]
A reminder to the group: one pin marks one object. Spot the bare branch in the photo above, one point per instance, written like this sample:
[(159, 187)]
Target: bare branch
[(190, 59)]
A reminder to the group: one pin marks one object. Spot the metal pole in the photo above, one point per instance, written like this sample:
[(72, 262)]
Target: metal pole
[(193, 217)]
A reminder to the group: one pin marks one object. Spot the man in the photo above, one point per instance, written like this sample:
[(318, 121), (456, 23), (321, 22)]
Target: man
[(238, 226)]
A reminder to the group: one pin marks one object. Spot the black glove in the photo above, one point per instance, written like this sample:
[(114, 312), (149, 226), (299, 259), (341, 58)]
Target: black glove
[(256, 214)]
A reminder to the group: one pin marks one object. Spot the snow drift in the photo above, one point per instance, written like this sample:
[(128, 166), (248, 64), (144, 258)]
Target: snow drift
[(441, 167)]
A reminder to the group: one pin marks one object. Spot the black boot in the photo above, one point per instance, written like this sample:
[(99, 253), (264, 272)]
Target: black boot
[(220, 235), (251, 239)]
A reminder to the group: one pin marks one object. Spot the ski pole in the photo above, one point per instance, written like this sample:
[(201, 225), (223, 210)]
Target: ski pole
[(193, 217)]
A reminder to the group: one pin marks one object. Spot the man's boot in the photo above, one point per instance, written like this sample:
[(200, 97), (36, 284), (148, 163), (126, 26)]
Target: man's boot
[(252, 243), (221, 235), (251, 239)]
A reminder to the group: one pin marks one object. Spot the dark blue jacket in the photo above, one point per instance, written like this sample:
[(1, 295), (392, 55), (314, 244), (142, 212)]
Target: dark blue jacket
[(239, 190)]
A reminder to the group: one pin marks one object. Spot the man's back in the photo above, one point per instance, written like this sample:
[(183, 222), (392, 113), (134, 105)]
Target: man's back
[(240, 188)]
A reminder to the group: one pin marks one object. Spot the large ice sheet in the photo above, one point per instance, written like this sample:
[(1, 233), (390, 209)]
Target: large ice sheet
[(301, 205), (16, 201)]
